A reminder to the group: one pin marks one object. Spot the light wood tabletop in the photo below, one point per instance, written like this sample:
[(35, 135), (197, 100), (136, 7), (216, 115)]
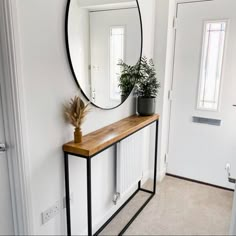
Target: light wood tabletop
[(99, 140)]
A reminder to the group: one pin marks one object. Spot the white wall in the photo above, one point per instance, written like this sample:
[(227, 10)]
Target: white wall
[(48, 83)]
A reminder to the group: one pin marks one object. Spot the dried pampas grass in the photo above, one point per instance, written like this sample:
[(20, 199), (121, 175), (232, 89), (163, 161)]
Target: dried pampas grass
[(76, 111)]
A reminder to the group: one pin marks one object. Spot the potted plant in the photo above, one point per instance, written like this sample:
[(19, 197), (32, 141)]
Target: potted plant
[(75, 112), (127, 79), (146, 87)]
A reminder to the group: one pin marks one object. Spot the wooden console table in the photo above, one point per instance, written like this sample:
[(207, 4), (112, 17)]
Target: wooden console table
[(96, 142)]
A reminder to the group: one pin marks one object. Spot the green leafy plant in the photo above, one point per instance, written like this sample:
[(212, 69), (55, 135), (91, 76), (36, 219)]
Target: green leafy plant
[(147, 84), (142, 75)]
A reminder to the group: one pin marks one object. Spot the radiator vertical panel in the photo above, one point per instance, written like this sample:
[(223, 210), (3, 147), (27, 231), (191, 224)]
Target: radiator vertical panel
[(129, 163)]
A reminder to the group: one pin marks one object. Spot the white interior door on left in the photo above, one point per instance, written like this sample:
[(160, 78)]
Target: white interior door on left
[(6, 215)]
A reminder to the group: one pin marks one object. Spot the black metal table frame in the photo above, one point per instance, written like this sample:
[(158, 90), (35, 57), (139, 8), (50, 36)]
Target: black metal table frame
[(89, 188)]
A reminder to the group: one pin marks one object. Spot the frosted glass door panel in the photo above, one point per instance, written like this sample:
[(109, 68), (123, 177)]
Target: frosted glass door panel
[(211, 66)]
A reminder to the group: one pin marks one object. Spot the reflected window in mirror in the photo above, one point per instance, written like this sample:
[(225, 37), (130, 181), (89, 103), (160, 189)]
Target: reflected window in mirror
[(117, 47)]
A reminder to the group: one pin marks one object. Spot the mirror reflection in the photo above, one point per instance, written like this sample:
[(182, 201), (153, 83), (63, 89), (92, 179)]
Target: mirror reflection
[(101, 34)]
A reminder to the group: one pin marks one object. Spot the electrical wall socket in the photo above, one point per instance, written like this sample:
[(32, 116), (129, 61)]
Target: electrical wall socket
[(51, 212), (55, 209)]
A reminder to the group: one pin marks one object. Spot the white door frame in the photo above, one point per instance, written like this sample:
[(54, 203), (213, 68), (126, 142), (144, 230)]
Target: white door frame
[(15, 122)]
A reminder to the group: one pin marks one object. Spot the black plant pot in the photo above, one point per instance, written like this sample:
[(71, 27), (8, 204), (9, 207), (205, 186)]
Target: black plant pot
[(146, 106)]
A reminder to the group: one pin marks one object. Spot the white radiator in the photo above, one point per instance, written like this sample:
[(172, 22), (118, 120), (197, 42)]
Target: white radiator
[(129, 163)]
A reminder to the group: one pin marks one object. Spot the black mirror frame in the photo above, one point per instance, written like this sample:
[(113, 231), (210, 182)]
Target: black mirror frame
[(70, 60)]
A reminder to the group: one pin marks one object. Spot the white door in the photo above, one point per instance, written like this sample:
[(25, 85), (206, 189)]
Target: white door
[(203, 115), (6, 216)]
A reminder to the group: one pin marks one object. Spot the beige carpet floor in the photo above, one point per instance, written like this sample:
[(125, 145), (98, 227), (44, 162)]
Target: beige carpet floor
[(179, 208)]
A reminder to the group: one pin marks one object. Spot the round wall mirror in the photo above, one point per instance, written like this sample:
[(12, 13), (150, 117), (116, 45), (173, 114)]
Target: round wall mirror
[(100, 34)]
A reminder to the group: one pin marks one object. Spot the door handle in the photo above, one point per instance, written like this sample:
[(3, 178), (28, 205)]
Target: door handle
[(230, 179), (3, 147), (234, 105)]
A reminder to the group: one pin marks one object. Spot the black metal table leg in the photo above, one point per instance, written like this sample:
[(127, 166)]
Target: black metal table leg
[(89, 197), (153, 191), (67, 190), (155, 158)]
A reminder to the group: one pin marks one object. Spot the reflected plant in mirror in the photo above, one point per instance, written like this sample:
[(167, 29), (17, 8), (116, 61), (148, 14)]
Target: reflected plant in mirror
[(127, 79), (99, 35)]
